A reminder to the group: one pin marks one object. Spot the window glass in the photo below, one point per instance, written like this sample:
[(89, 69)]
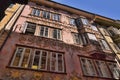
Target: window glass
[(92, 36), (35, 12), (44, 31), (84, 21), (56, 17), (46, 14), (56, 33), (72, 21), (104, 45)]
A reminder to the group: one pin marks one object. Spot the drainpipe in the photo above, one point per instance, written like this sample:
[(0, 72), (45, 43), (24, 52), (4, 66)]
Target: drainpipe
[(12, 21)]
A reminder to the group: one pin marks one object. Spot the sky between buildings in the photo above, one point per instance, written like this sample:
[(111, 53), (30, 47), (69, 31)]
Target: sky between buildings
[(107, 8)]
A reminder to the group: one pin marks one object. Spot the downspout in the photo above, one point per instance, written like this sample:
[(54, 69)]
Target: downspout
[(12, 19)]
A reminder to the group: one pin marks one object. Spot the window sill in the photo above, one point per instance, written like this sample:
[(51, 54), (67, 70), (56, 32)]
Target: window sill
[(20, 68)]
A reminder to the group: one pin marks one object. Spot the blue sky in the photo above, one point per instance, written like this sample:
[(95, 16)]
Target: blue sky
[(107, 8)]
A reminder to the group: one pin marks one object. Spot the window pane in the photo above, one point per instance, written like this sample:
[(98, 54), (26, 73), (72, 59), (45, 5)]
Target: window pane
[(25, 58), (42, 31), (59, 34), (37, 13), (92, 71), (84, 67), (43, 60), (60, 62), (55, 33), (105, 45), (102, 69), (36, 60), (46, 14), (18, 56), (53, 62), (84, 21), (114, 69), (46, 32), (72, 21), (56, 17)]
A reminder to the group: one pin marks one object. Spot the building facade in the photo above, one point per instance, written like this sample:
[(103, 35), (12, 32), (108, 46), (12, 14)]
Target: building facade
[(52, 41)]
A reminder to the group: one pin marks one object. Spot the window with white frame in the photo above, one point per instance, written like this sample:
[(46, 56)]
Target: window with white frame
[(35, 12), (114, 70), (102, 69), (56, 17), (30, 28), (104, 45), (84, 21), (21, 57), (44, 31), (88, 67), (72, 21), (38, 59), (56, 33), (46, 14), (77, 38)]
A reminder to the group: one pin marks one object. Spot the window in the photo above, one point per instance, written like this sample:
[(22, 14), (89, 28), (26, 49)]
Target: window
[(102, 69), (21, 57), (56, 62), (114, 69), (56, 33), (84, 21), (44, 31), (30, 28), (72, 21), (38, 59), (88, 67), (56, 17), (77, 38), (46, 14), (92, 36), (92, 67), (35, 12), (104, 44), (94, 27)]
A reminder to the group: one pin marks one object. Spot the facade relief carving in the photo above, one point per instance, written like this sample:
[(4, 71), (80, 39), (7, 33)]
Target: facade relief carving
[(52, 44)]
